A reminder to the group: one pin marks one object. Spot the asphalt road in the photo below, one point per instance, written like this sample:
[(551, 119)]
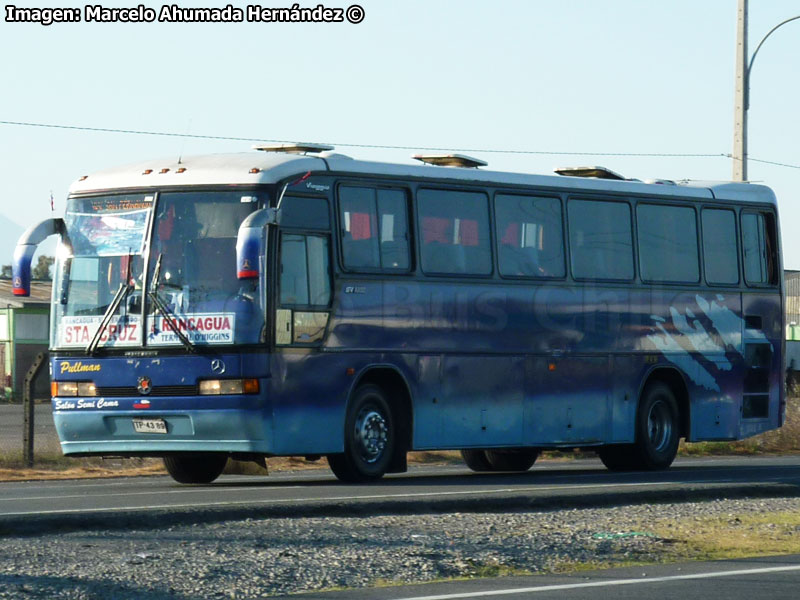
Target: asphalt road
[(135, 501), (773, 578)]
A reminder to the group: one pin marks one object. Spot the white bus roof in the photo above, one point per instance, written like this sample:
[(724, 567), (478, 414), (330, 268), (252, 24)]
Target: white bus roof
[(253, 168)]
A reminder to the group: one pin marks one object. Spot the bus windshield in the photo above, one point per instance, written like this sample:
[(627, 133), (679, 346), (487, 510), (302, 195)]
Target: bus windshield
[(103, 292)]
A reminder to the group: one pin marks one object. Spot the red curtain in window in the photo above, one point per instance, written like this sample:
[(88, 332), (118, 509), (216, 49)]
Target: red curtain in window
[(434, 229), (359, 226), (469, 232), (511, 236)]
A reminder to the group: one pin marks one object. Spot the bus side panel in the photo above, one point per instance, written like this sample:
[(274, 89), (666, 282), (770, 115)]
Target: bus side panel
[(482, 401)]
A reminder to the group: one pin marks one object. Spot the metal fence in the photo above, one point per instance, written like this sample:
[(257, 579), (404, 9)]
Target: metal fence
[(26, 428), (12, 427)]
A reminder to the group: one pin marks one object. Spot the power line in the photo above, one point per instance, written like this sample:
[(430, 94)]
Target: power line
[(766, 162), (393, 147), (772, 162), (355, 145)]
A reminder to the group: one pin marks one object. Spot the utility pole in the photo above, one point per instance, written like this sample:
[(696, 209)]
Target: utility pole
[(740, 110), (741, 99)]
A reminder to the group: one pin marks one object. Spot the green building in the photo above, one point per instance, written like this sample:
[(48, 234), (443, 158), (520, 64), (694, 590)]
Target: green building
[(24, 332)]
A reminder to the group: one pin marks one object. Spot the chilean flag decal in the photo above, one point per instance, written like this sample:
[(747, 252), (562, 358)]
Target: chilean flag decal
[(142, 404)]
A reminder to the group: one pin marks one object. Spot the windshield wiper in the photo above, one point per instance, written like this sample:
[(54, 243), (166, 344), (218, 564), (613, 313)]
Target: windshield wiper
[(162, 308), (124, 290)]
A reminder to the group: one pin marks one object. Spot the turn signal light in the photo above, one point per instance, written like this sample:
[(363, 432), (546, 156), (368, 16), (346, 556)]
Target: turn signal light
[(222, 387), (72, 389)]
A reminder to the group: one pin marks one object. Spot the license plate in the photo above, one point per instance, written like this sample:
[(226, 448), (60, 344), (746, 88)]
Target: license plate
[(150, 426)]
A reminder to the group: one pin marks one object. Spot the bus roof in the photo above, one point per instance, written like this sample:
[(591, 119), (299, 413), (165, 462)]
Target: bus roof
[(254, 168)]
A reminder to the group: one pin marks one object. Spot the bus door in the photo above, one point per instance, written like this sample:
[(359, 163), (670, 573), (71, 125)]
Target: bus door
[(302, 405)]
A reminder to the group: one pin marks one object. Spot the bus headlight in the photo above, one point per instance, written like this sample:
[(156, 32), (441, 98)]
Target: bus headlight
[(219, 387), (72, 388)]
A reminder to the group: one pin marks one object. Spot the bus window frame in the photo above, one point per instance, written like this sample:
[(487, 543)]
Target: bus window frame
[(306, 226), (630, 203), (737, 240), (496, 249), (339, 227), (487, 192), (700, 281), (774, 255)]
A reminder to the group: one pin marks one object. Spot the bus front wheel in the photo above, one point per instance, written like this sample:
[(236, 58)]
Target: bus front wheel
[(195, 468), (369, 437)]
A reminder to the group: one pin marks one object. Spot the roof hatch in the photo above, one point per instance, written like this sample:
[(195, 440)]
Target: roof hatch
[(597, 172), (294, 148), (450, 160)]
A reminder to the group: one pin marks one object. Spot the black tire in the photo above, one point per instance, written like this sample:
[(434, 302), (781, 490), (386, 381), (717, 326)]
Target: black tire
[(369, 437), (621, 457), (657, 427), (511, 460), (476, 460), (195, 468), (657, 434)]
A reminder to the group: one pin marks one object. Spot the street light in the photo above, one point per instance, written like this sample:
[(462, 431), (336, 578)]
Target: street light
[(742, 94)]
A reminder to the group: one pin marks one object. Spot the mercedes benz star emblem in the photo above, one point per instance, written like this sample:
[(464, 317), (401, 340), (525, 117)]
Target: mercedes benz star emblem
[(218, 366)]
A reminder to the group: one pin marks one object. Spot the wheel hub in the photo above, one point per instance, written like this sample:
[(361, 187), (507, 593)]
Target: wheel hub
[(371, 435), (659, 425)]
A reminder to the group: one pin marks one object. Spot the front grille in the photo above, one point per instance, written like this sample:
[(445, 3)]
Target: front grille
[(161, 390)]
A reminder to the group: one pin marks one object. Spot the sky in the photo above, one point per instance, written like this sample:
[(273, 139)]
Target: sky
[(537, 77)]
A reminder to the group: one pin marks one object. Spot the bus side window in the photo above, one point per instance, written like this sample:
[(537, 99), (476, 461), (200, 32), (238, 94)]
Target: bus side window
[(529, 236), (600, 239), (454, 232), (359, 227), (305, 279), (374, 228), (759, 247), (393, 216), (719, 246), (668, 250)]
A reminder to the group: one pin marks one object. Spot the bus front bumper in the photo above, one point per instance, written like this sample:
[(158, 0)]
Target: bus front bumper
[(112, 433)]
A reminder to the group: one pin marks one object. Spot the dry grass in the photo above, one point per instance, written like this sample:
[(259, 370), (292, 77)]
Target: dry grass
[(785, 440), (60, 467), (732, 536)]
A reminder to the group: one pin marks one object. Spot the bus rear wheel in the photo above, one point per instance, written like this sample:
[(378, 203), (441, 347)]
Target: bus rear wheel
[(658, 427), (476, 460), (369, 437), (483, 461), (511, 460), (657, 434), (195, 468)]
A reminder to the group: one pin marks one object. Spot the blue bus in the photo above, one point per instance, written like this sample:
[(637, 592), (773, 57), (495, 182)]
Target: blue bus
[(293, 301)]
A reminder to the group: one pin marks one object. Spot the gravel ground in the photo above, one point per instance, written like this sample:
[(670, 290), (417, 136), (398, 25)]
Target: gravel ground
[(265, 557)]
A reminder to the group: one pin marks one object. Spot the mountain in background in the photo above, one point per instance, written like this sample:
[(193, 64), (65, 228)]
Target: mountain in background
[(9, 234)]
